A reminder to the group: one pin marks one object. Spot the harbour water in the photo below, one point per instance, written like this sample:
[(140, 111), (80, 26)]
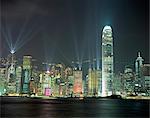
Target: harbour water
[(99, 108)]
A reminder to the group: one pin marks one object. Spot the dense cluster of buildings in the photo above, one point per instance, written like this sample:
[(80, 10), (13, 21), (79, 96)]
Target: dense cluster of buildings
[(57, 80)]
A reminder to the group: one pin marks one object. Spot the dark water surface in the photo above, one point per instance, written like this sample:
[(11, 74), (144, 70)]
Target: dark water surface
[(99, 108)]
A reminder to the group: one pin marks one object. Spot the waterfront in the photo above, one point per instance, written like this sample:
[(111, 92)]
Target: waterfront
[(101, 108)]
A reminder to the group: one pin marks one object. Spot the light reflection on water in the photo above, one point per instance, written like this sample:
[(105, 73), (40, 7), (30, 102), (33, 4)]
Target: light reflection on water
[(109, 108)]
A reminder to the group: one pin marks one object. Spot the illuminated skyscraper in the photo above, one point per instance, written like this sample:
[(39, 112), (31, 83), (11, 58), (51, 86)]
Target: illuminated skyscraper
[(138, 71), (77, 87), (18, 79), (107, 61), (11, 74), (138, 65), (146, 74), (11, 68), (93, 82), (27, 60)]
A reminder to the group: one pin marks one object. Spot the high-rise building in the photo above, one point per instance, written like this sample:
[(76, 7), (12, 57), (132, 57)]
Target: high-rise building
[(107, 61), (146, 74), (77, 87), (27, 62), (138, 72), (3, 81), (46, 82), (99, 80), (70, 85), (94, 77), (117, 84), (91, 77), (128, 81), (11, 69), (26, 73), (138, 65), (18, 79), (11, 74)]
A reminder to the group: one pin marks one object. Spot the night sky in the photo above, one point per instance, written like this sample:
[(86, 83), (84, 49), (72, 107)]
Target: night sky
[(70, 30)]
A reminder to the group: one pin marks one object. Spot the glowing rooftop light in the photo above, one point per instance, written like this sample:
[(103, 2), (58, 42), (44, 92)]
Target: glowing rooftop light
[(47, 71), (107, 28), (12, 51)]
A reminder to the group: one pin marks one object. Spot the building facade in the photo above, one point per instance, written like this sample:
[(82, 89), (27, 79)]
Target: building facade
[(146, 74), (26, 73), (107, 61), (77, 87), (94, 77)]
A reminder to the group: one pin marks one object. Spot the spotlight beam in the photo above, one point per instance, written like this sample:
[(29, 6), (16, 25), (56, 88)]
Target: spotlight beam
[(21, 40), (6, 38), (23, 37), (65, 57), (21, 32)]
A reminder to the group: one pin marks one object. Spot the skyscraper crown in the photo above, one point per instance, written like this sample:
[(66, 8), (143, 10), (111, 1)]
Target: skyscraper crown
[(107, 28)]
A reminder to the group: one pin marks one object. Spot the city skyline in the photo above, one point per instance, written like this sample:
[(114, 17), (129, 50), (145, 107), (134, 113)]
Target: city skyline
[(71, 30), (74, 58)]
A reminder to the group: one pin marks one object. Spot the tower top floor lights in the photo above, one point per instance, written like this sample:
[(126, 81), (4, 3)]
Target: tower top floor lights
[(106, 28), (12, 51), (107, 35)]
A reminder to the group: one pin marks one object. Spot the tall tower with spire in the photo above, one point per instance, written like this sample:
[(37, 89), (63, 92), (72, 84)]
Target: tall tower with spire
[(107, 61), (138, 65)]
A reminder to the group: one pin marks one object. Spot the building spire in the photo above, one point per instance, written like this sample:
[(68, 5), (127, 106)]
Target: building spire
[(138, 64), (139, 54), (139, 58)]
